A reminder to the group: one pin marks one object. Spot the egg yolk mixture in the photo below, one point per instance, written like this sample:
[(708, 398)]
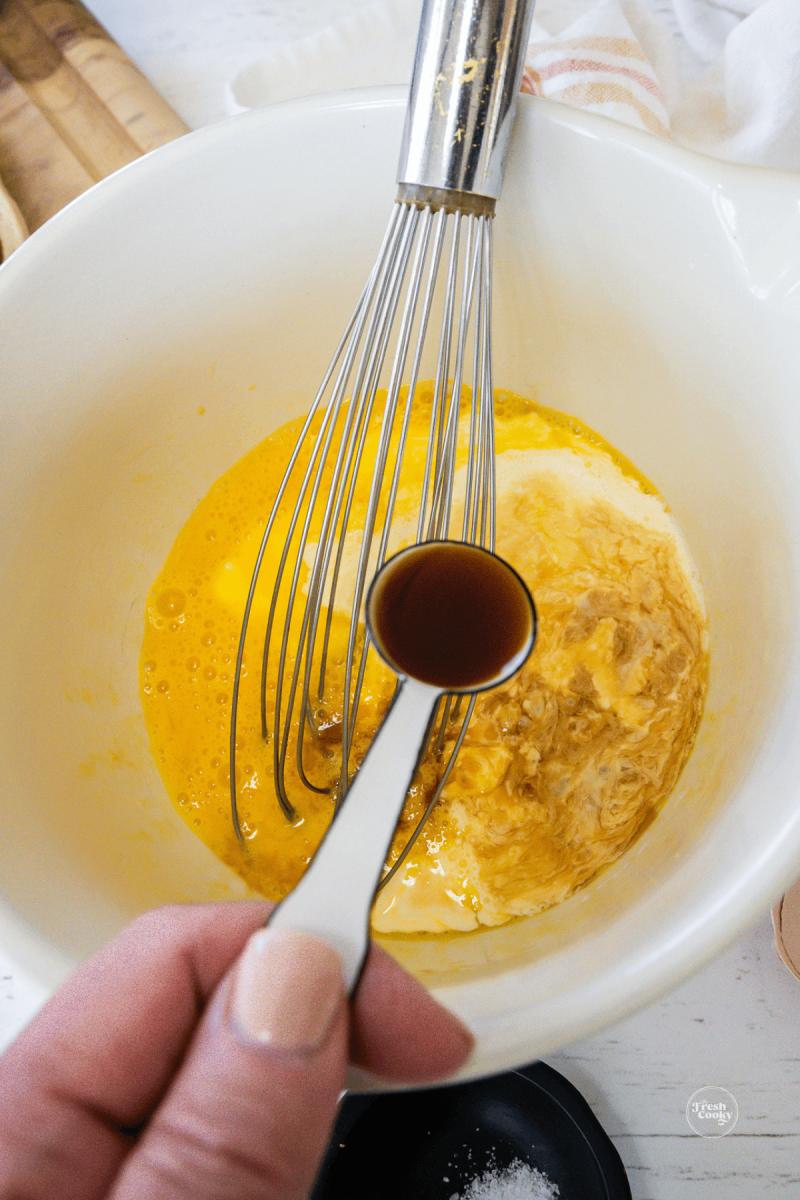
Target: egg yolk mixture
[(561, 768)]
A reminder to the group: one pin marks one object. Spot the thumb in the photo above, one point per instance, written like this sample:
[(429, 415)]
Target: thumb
[(250, 1112)]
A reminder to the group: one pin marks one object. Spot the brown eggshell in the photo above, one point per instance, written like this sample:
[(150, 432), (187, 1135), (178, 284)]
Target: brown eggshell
[(786, 921)]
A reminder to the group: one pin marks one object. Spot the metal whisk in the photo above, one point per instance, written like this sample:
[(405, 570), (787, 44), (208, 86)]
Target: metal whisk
[(425, 313)]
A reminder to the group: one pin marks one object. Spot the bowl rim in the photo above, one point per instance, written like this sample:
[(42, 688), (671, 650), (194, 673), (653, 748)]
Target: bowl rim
[(590, 124)]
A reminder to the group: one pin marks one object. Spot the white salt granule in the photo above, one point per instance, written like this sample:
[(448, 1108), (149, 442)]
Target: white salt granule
[(517, 1182)]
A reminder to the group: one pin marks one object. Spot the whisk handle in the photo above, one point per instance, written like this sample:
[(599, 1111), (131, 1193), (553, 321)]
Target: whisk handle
[(334, 898), (463, 100)]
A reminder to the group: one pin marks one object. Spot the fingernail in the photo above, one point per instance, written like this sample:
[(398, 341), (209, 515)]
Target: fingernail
[(287, 988)]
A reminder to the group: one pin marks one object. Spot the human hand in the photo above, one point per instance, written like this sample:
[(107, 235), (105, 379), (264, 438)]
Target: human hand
[(199, 1057)]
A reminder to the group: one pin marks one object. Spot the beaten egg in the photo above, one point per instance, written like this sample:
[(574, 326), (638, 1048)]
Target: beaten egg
[(561, 767)]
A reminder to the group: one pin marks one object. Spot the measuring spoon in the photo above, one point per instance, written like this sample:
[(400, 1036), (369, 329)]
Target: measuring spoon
[(447, 617)]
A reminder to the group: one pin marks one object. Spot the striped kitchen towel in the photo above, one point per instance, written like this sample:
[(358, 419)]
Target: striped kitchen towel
[(604, 71)]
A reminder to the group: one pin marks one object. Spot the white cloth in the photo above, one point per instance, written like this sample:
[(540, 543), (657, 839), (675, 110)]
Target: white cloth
[(720, 76)]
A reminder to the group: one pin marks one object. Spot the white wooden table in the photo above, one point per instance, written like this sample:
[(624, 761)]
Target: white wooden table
[(737, 1023)]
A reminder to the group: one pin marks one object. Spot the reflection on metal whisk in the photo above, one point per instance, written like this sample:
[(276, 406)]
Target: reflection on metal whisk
[(424, 313)]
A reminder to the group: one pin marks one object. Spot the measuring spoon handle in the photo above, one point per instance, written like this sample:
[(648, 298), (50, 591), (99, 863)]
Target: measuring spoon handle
[(334, 898)]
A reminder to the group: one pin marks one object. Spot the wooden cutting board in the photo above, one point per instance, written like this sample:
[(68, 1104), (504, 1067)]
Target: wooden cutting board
[(73, 109)]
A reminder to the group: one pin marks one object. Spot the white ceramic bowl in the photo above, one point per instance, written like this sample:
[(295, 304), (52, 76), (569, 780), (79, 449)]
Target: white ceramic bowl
[(167, 320)]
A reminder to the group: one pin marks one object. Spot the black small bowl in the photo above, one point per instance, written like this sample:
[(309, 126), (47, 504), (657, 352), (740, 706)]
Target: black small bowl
[(429, 1145)]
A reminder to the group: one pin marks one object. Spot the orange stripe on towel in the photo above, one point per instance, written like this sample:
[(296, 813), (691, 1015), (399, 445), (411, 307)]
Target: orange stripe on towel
[(620, 47), (582, 95), (586, 65)]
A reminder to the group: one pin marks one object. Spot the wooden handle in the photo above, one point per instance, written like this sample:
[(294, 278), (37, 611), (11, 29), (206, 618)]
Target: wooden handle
[(13, 229), (73, 107), (120, 85), (76, 113), (36, 165)]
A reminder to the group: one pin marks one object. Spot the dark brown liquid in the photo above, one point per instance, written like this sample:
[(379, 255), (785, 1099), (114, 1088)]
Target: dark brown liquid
[(451, 615)]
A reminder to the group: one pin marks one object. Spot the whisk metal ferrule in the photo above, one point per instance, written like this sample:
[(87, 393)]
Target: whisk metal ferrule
[(463, 98)]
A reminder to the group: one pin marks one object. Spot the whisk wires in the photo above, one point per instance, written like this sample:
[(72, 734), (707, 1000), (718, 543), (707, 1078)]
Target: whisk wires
[(425, 313)]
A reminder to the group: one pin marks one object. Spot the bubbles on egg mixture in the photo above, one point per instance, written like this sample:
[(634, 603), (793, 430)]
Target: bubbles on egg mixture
[(170, 603), (548, 787)]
